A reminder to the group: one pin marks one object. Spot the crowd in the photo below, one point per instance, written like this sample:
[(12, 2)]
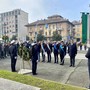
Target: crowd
[(33, 51)]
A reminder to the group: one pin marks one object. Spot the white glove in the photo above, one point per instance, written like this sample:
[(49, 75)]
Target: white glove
[(37, 61), (15, 57)]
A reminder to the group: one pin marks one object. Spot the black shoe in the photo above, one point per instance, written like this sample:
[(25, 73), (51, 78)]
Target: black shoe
[(14, 71), (70, 66), (61, 63), (35, 74)]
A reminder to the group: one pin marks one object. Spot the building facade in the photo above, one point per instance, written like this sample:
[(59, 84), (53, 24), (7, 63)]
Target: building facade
[(13, 23), (48, 26), (78, 30)]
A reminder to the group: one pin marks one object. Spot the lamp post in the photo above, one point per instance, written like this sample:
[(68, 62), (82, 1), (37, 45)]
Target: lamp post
[(5, 31), (36, 33)]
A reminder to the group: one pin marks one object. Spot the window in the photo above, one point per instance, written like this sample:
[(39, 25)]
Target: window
[(49, 32), (9, 13), (6, 14), (19, 12), (12, 12), (16, 30), (53, 26), (16, 12), (78, 34), (49, 26), (60, 32), (16, 26), (77, 30), (30, 33), (16, 21), (12, 25), (46, 33)]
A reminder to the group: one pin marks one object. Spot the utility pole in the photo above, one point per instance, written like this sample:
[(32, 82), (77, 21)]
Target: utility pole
[(36, 33)]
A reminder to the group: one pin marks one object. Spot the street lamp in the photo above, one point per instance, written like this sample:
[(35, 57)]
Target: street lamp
[(36, 33), (5, 31)]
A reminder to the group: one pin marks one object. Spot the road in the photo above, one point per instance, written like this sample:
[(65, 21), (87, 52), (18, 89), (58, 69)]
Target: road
[(77, 75)]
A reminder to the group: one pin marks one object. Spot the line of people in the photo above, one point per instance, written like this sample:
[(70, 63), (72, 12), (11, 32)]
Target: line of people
[(59, 48)]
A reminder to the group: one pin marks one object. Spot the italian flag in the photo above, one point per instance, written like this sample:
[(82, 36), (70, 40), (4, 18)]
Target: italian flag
[(86, 28)]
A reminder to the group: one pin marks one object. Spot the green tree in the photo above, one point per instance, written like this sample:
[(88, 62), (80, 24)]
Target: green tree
[(56, 36), (14, 37), (40, 37), (5, 38)]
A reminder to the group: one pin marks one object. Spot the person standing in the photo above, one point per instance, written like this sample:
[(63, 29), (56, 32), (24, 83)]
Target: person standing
[(13, 55), (55, 53), (48, 50), (85, 47), (72, 50), (62, 52), (39, 49), (88, 56), (34, 58), (43, 47)]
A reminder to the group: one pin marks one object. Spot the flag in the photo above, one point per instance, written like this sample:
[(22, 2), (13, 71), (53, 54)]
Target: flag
[(88, 30), (68, 37), (46, 26), (85, 27)]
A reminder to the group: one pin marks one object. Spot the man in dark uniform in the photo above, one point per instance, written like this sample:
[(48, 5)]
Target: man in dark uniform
[(55, 53), (39, 49), (62, 52), (34, 58), (13, 55), (48, 50), (72, 53)]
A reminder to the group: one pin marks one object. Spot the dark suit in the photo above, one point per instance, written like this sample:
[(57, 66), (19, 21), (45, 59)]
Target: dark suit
[(48, 53), (72, 53), (55, 53), (88, 56), (13, 55), (34, 59), (62, 54)]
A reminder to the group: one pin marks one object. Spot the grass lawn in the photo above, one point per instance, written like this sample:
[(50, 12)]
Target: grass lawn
[(33, 81)]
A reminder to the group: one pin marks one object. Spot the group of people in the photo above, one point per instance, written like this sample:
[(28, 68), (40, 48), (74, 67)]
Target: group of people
[(32, 51), (4, 50), (58, 49)]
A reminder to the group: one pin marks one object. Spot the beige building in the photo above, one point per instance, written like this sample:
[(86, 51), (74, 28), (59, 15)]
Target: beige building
[(47, 26), (78, 30)]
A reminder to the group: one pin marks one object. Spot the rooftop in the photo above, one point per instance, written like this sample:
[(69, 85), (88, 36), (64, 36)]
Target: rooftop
[(50, 20)]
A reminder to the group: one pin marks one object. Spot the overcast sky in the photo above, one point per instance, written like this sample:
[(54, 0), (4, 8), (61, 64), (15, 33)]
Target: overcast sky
[(40, 9)]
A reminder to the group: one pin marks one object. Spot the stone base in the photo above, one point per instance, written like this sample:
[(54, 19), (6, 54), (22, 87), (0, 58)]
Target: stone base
[(24, 71)]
